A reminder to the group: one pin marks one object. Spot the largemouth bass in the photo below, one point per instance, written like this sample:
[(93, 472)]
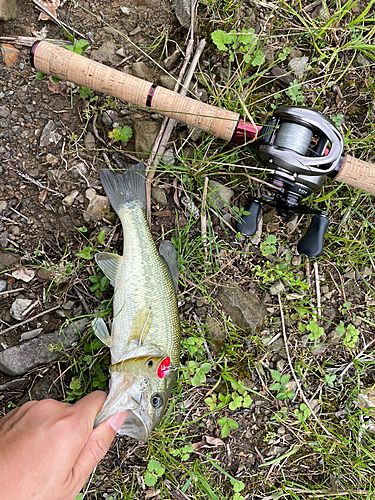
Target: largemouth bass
[(145, 334)]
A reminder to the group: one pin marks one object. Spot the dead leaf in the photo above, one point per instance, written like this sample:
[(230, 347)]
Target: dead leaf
[(152, 494), (23, 274), (176, 193), (10, 54), (51, 6), (57, 87), (208, 442), (42, 33)]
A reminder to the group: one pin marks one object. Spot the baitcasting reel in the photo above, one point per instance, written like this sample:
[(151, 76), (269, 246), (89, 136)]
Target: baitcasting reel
[(303, 147)]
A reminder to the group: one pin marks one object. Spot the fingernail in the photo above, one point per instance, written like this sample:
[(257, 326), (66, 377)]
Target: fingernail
[(117, 420)]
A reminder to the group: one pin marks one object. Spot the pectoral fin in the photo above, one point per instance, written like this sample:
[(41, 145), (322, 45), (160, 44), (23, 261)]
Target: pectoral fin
[(141, 324), (108, 263), (101, 331), (170, 256)]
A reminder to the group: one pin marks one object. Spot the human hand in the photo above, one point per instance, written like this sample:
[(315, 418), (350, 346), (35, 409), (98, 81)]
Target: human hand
[(49, 448)]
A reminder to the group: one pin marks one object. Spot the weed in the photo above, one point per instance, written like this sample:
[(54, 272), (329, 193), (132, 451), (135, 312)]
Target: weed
[(122, 134), (295, 93), (268, 247), (100, 284), (279, 385), (302, 413), (244, 43), (227, 424), (154, 472)]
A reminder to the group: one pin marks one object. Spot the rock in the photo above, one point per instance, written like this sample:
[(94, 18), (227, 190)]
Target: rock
[(167, 81), (3, 239), (45, 275), (10, 54), (145, 133), (219, 195), (7, 260), (215, 335), (292, 222), (106, 53), (49, 135), (69, 305), (89, 141), (4, 112), (334, 337), (18, 308), (183, 12), (168, 157), (98, 207), (277, 288), (3, 285), (52, 160), (135, 31), (69, 200), (109, 117), (195, 135), (125, 10), (141, 70), (159, 196), (8, 10), (245, 309), (31, 334), (3, 205), (23, 274), (298, 66), (22, 358), (171, 61), (319, 349), (14, 385)]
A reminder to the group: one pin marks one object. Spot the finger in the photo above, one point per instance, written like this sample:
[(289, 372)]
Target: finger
[(96, 447), (89, 406)]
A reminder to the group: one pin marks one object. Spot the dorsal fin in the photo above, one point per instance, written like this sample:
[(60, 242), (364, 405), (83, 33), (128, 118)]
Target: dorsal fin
[(108, 263), (170, 256)]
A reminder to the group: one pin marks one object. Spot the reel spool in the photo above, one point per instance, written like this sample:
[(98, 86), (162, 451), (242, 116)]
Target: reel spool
[(303, 147)]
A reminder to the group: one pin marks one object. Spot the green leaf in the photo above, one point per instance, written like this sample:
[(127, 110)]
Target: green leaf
[(225, 430), (39, 75), (86, 253), (247, 38), (232, 423), (104, 282), (221, 39), (247, 401), (101, 237), (150, 479), (80, 46), (275, 375), (275, 387), (258, 58), (237, 485), (94, 279), (271, 239), (284, 379)]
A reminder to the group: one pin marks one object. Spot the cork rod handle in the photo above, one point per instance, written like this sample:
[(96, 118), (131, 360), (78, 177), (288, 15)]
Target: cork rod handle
[(66, 65), (357, 173)]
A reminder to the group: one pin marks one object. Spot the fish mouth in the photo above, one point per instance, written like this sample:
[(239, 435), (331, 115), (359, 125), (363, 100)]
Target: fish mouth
[(124, 395)]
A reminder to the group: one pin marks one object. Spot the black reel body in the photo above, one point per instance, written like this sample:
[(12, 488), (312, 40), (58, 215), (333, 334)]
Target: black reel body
[(303, 147)]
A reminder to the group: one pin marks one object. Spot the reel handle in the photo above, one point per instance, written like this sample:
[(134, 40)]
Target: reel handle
[(357, 173), (248, 224), (312, 243)]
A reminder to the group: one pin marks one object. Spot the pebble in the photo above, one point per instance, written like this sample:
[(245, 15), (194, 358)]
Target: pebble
[(98, 207), (31, 334), (125, 10), (3, 285), (20, 359), (140, 70), (277, 288), (298, 66), (167, 81), (89, 141), (4, 112), (13, 384), (49, 135), (183, 12), (219, 195), (69, 200), (109, 117), (19, 306), (168, 157), (159, 196), (171, 61), (3, 205), (135, 31)]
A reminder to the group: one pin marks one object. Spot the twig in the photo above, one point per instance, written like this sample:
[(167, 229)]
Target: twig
[(204, 216), (308, 279), (41, 7), (357, 357), (317, 284), (12, 291), (292, 369), (33, 181), (29, 319), (83, 301)]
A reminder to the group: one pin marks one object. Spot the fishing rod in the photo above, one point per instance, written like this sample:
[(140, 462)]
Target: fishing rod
[(301, 145)]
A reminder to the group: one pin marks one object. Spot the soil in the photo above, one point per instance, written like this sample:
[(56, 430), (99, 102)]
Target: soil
[(39, 230)]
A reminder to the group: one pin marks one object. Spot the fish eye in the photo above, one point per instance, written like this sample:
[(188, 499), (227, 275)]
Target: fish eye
[(150, 363), (156, 401)]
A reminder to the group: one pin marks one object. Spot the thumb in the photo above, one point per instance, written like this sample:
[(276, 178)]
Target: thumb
[(96, 446)]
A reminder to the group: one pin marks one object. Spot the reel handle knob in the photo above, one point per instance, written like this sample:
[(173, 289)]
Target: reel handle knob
[(248, 224), (312, 243)]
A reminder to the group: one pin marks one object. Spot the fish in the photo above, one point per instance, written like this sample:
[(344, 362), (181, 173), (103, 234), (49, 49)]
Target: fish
[(145, 334)]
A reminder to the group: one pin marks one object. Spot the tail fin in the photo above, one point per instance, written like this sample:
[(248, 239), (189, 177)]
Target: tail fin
[(126, 189)]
